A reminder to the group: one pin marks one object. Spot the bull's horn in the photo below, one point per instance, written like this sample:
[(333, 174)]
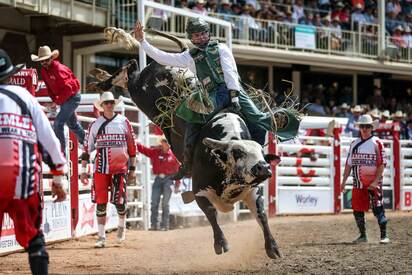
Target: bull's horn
[(216, 144), (180, 42)]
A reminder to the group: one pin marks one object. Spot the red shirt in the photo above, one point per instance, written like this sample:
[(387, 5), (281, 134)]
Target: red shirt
[(163, 163), (60, 81)]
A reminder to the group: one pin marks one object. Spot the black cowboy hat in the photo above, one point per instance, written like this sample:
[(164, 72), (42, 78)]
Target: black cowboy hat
[(6, 68)]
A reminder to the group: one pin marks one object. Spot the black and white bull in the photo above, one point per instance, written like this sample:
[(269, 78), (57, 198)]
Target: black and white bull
[(227, 164)]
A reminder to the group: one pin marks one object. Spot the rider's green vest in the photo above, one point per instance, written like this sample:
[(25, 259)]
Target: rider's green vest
[(208, 67), (210, 74)]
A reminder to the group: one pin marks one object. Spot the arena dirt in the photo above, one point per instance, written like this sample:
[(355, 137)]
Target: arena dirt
[(310, 244)]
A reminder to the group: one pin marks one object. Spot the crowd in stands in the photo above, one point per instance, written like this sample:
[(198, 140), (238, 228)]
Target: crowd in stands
[(338, 15), (336, 101)]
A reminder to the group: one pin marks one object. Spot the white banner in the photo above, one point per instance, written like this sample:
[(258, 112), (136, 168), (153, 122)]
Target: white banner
[(301, 200), (87, 223), (56, 225), (406, 198), (305, 37)]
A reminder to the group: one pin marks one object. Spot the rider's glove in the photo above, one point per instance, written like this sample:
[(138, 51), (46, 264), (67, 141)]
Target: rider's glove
[(234, 96)]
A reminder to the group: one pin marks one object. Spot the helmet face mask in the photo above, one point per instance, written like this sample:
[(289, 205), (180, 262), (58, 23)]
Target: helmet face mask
[(197, 30), (200, 39)]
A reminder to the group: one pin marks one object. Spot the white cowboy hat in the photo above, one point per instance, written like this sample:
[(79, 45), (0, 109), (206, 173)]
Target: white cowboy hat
[(106, 96), (367, 120), (357, 109), (386, 114), (398, 114), (375, 113), (344, 106), (161, 139), (44, 53)]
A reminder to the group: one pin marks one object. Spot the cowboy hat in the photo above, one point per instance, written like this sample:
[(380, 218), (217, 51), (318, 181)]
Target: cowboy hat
[(344, 106), (106, 96), (357, 109), (367, 120), (375, 113), (6, 67), (386, 114), (44, 53), (398, 114)]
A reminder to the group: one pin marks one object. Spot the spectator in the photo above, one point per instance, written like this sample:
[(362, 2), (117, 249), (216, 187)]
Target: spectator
[(338, 10), (357, 16), (393, 6), (409, 130), (307, 20), (351, 125), (316, 108), (398, 119), (393, 105), (376, 100), (343, 111), (397, 37), (226, 10), (64, 89), (20, 164), (112, 137), (407, 37), (318, 20), (391, 22), (298, 11), (384, 116), (164, 165), (336, 33), (369, 17), (200, 7), (375, 114)]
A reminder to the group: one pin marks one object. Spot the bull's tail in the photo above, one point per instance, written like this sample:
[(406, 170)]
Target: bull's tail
[(120, 36)]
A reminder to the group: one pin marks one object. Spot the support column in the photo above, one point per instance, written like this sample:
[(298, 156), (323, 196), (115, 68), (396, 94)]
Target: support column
[(296, 79), (141, 17), (396, 166), (355, 89), (74, 181), (381, 31), (271, 80), (337, 168), (272, 180)]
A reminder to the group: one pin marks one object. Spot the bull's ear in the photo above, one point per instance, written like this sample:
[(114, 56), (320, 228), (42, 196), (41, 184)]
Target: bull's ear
[(216, 144), (272, 158)]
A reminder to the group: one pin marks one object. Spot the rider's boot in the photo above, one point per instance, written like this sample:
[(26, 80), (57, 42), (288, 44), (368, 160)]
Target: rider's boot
[(185, 170)]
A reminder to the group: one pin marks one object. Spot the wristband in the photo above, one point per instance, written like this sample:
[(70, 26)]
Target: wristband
[(235, 99), (234, 93)]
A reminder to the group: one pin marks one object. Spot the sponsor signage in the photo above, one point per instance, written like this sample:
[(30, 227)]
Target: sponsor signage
[(87, 223), (296, 201), (305, 37), (406, 199), (387, 199)]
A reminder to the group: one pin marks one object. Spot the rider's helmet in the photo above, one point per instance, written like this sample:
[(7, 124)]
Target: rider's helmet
[(197, 30)]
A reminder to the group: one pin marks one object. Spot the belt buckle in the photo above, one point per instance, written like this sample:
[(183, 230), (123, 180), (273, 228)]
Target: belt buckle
[(162, 176)]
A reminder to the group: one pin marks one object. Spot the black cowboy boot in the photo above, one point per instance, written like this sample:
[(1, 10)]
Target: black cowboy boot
[(360, 222), (185, 170)]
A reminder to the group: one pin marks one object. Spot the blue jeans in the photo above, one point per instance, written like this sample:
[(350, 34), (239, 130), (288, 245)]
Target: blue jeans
[(67, 116), (160, 187)]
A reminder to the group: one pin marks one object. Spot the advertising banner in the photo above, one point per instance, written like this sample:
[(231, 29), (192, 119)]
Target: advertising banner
[(304, 201), (305, 37), (406, 198), (55, 225), (87, 223), (387, 199)]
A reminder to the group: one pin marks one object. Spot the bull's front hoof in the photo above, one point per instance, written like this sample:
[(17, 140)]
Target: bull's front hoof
[(272, 249), (220, 246)]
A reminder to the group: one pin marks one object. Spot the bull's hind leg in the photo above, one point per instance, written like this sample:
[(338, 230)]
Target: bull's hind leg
[(255, 203), (211, 214)]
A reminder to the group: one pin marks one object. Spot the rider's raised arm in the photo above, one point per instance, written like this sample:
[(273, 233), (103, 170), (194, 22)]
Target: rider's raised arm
[(182, 60), (229, 68)]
